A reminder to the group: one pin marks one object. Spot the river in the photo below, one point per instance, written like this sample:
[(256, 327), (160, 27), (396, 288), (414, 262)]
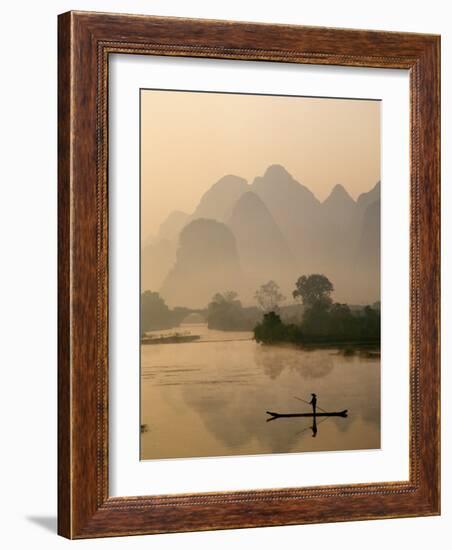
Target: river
[(210, 397)]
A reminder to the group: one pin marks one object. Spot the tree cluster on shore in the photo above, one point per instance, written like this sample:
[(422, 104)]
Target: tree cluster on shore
[(316, 319), (156, 315), (226, 312), (323, 321)]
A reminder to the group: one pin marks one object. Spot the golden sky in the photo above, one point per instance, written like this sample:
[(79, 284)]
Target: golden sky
[(189, 140)]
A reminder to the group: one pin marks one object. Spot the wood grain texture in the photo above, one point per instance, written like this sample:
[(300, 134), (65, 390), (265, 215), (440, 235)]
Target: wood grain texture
[(64, 217), (85, 42)]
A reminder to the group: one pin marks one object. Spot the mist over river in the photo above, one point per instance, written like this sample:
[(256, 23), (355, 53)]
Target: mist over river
[(210, 397)]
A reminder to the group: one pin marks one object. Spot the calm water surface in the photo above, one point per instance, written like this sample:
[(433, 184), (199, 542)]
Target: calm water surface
[(208, 398)]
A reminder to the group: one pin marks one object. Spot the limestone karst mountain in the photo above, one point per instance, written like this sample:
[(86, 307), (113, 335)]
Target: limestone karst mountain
[(240, 236), (217, 203), (369, 242), (338, 202), (263, 250), (293, 207), (366, 199), (207, 262), (343, 223), (336, 228), (368, 254), (173, 225), (157, 258), (159, 253)]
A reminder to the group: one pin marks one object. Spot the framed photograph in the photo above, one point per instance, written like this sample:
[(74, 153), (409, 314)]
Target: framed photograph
[(248, 275)]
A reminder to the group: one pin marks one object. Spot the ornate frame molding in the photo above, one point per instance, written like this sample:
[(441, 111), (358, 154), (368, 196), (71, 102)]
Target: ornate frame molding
[(85, 42)]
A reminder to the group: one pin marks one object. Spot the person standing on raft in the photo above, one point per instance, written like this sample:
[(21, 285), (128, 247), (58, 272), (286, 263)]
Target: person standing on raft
[(313, 402)]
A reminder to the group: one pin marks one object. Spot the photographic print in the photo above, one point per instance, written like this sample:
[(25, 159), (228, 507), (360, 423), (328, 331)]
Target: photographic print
[(260, 274)]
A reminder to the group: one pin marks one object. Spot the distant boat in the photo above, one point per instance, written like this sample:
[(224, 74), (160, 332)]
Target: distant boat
[(176, 338), (342, 414)]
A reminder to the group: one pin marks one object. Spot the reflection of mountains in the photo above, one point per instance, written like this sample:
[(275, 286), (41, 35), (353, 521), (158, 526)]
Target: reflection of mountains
[(274, 228), (308, 365), (242, 405)]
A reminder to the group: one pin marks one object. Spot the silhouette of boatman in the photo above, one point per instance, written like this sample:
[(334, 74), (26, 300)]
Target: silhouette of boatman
[(313, 402)]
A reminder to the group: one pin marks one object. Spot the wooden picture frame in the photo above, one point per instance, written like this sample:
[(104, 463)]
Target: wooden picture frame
[(85, 42)]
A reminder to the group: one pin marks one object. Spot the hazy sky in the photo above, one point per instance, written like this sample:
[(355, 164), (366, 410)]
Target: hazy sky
[(190, 140)]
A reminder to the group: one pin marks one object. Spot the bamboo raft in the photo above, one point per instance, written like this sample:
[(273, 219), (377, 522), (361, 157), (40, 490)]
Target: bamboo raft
[(341, 414)]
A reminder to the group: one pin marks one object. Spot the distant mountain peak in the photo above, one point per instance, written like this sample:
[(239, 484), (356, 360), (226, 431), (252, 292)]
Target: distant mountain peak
[(277, 179), (339, 188), (339, 193), (250, 198), (229, 180), (263, 250), (276, 170), (277, 173), (249, 209), (365, 199), (217, 202), (206, 262)]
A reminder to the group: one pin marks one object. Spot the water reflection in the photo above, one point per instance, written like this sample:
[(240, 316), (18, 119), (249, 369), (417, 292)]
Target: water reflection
[(210, 398), (314, 427), (307, 364)]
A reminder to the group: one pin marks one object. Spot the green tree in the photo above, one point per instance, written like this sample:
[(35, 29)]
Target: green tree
[(269, 297), (314, 290), (316, 320), (343, 324), (155, 314), (370, 325), (225, 311), (272, 330)]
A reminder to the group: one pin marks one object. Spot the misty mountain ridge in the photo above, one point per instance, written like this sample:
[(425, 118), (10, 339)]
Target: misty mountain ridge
[(338, 198), (217, 203), (263, 250), (293, 206), (173, 225), (206, 262), (279, 231), (370, 196)]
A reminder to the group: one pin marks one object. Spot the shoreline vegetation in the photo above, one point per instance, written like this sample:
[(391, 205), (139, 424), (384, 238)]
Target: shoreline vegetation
[(315, 321)]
